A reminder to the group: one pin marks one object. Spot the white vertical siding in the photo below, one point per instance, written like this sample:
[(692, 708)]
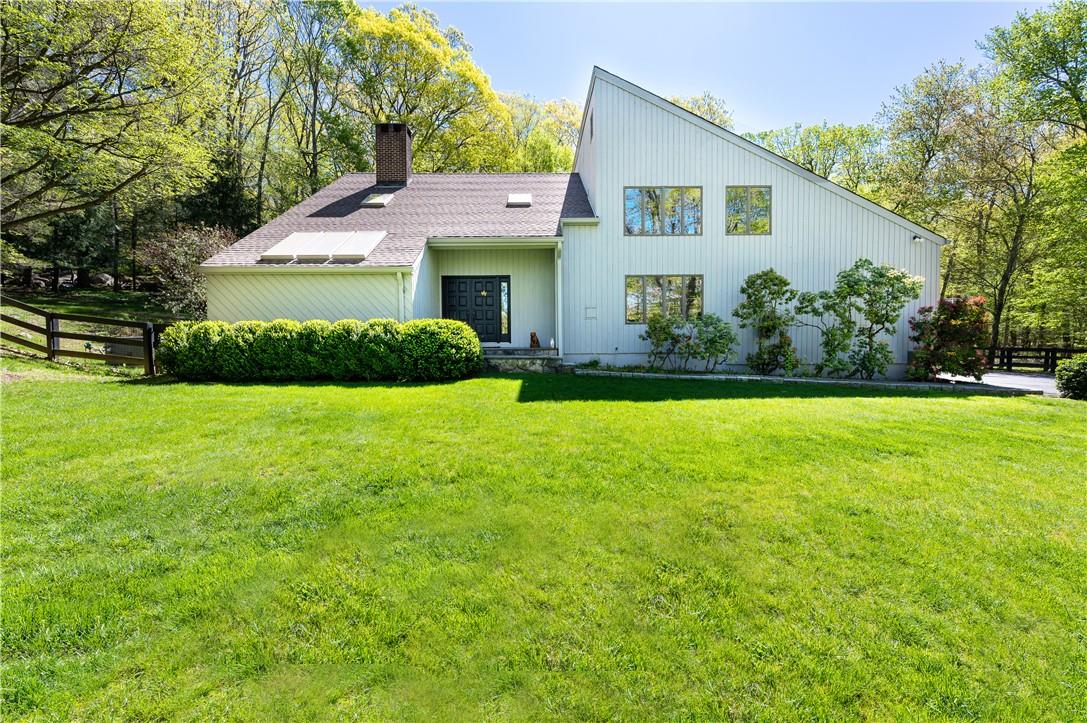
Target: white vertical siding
[(815, 231), (264, 296), (532, 285)]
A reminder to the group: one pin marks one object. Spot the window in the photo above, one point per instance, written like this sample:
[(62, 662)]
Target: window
[(504, 301), (747, 210), (674, 295), (667, 211)]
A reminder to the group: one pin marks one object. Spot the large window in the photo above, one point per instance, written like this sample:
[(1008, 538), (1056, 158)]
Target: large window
[(665, 211), (747, 210), (674, 295)]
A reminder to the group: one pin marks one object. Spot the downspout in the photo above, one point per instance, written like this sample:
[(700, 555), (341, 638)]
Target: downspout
[(558, 297), (400, 296)]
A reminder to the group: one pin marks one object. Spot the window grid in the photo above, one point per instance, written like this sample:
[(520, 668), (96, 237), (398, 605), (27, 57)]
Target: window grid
[(691, 289), (661, 197), (748, 192)]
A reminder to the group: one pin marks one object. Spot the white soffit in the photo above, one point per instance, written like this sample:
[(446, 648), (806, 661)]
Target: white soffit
[(324, 245), (519, 200)]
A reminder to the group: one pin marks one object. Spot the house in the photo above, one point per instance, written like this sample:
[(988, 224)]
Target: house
[(663, 209)]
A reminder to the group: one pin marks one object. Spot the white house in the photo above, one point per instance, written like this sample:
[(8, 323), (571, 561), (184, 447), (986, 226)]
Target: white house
[(663, 208)]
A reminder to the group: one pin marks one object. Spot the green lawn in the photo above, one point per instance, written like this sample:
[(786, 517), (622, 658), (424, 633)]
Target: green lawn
[(539, 547)]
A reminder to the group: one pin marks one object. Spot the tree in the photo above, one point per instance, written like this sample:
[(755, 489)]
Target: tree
[(97, 97), (876, 296), (1044, 55), (707, 106), (404, 67), (831, 313), (765, 308), (948, 339), (540, 137), (844, 154), (175, 256)]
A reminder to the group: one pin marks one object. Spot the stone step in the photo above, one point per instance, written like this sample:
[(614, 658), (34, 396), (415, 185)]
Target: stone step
[(522, 352)]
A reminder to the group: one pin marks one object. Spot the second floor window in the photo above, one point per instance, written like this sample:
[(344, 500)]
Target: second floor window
[(662, 211), (747, 210)]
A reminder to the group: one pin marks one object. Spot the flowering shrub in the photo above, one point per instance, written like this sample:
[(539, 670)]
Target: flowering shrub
[(950, 338)]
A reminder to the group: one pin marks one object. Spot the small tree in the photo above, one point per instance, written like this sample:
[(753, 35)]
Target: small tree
[(877, 294), (765, 308), (709, 339), (831, 312), (175, 257), (950, 338), (661, 331)]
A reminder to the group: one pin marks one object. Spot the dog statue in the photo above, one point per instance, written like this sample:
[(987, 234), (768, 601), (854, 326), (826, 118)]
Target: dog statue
[(533, 341)]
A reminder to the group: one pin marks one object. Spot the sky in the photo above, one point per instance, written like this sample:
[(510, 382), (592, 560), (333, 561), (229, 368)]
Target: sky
[(774, 64)]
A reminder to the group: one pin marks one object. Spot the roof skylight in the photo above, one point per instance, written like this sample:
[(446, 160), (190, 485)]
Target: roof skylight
[(324, 246), (519, 200), (377, 200)]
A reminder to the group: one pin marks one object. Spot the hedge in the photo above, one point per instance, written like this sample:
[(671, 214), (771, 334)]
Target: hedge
[(285, 350)]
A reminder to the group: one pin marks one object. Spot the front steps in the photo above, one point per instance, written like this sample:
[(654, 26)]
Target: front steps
[(522, 360)]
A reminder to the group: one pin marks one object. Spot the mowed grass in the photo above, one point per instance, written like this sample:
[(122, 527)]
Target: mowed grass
[(539, 547)]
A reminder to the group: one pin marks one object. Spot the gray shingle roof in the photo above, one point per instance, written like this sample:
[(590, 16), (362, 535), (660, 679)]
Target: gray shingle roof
[(461, 204)]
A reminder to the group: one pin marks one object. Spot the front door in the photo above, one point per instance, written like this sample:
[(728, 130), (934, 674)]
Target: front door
[(481, 302)]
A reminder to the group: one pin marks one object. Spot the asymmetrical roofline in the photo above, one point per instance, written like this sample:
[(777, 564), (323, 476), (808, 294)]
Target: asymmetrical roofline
[(664, 104)]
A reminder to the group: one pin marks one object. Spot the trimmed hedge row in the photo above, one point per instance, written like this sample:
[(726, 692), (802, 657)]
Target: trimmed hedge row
[(285, 350)]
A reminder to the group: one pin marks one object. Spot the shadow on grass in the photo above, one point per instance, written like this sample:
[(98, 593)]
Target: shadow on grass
[(565, 388)]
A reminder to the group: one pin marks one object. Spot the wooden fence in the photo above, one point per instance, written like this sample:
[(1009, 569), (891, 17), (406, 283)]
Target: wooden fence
[(1044, 359), (144, 344)]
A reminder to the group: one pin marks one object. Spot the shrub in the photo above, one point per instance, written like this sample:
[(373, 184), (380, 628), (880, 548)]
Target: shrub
[(877, 295), (289, 350), (765, 308), (709, 339), (949, 338), (662, 333), (438, 349), (188, 348), (1072, 377), (831, 314)]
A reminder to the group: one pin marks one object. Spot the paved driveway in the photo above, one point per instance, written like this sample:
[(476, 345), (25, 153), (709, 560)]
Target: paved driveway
[(1017, 380)]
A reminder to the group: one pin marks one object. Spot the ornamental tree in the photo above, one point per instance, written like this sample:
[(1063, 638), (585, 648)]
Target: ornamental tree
[(766, 308), (950, 339)]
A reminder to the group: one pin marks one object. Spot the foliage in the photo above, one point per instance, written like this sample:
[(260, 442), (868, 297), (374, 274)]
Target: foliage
[(847, 155), (709, 339), (662, 333), (707, 106), (1044, 54), (544, 134), (438, 350), (1072, 377), (675, 341), (831, 313), (280, 350), (175, 257), (404, 67), (949, 339), (765, 308), (101, 99), (876, 295)]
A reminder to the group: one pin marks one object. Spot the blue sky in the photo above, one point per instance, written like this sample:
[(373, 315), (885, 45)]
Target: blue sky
[(774, 64)]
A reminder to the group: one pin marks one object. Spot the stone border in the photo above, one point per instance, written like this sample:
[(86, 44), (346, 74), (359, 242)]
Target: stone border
[(964, 387)]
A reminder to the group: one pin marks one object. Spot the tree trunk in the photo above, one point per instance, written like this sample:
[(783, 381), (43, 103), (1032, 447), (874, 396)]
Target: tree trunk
[(56, 276), (132, 242), (116, 249), (82, 277)]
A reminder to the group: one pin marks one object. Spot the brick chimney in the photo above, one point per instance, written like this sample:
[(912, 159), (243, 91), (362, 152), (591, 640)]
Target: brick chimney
[(392, 154)]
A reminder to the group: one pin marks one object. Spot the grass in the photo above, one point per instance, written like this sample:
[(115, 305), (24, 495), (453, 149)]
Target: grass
[(539, 547)]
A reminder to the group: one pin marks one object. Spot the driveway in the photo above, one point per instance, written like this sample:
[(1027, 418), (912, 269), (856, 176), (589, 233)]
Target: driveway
[(1016, 380)]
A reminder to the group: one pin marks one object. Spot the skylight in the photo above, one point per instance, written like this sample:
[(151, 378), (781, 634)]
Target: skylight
[(377, 200), (519, 200), (324, 246)]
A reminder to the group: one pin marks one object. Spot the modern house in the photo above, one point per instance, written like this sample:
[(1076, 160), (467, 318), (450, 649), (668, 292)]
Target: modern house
[(664, 209)]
